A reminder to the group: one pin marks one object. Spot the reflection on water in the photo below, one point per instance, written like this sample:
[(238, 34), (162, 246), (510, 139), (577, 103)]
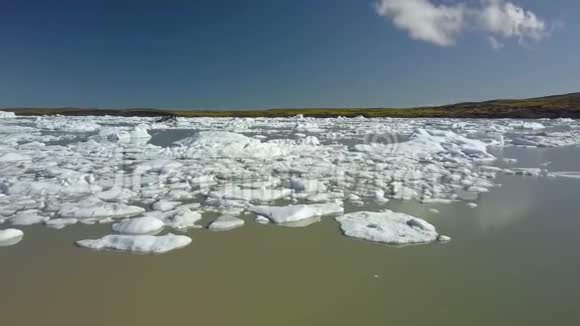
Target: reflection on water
[(513, 261)]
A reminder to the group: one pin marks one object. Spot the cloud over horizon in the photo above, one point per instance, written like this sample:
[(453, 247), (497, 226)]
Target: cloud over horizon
[(443, 24)]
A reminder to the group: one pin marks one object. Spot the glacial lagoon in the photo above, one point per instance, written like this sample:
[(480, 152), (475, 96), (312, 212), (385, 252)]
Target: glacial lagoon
[(319, 221)]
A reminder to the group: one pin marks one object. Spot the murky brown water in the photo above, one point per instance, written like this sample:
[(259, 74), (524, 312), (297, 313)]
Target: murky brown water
[(513, 261)]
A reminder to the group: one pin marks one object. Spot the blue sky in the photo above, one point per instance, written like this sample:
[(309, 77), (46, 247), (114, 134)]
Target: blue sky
[(299, 53)]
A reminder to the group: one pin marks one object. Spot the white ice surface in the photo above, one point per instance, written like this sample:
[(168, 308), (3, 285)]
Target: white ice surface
[(139, 225), (226, 223), (60, 223), (94, 208), (144, 244), (28, 217), (295, 213), (105, 169), (4, 114), (566, 174), (10, 237), (387, 227)]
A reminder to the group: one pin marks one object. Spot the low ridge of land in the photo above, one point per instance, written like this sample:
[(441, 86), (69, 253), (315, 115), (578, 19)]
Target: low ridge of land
[(556, 106)]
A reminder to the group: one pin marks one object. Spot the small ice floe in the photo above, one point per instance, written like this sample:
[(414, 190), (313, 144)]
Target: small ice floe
[(387, 227), (444, 238), (28, 217), (117, 194), (528, 125), (306, 185), (324, 197), (60, 223), (139, 225), (529, 172), (181, 218), (137, 134), (95, 209), (10, 237), (4, 114), (165, 205), (262, 220), (250, 195), (296, 213), (143, 244), (14, 158), (223, 144), (471, 205), (568, 174), (434, 211), (226, 223), (68, 124), (269, 183)]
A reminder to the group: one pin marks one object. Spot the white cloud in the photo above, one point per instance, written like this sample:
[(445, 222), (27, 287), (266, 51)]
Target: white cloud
[(507, 20), (442, 24), (439, 24)]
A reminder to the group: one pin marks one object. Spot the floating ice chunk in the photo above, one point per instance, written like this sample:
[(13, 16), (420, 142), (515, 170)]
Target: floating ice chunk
[(250, 195), (96, 209), (262, 220), (60, 223), (139, 225), (444, 238), (179, 195), (325, 197), (434, 211), (14, 158), (306, 185), (271, 183), (68, 125), (570, 174), (387, 227), (530, 172), (9, 237), (221, 144), (137, 134), (525, 142), (353, 198), (117, 194), (159, 165), (165, 205), (182, 218), (144, 244), (4, 114), (477, 189), (226, 223), (379, 197), (529, 125), (309, 140), (47, 188), (28, 217), (295, 213), (471, 205)]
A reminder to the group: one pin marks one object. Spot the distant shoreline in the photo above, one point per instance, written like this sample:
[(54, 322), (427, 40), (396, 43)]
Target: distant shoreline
[(558, 106)]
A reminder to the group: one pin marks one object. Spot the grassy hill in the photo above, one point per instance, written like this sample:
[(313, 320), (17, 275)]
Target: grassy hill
[(557, 106)]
